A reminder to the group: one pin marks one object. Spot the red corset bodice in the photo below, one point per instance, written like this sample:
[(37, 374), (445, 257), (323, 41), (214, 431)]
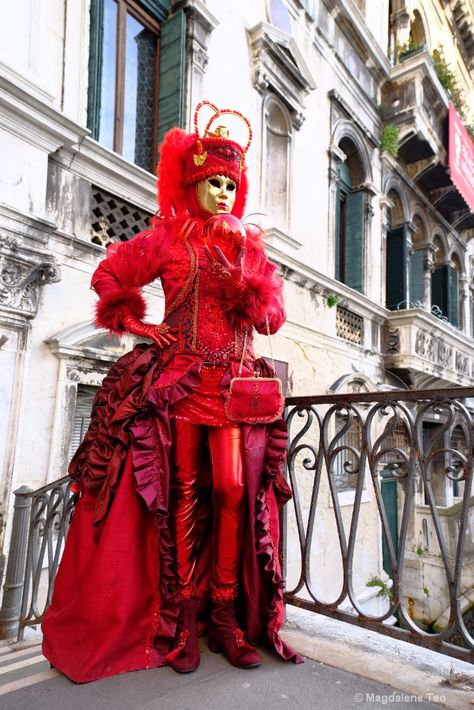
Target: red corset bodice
[(201, 323)]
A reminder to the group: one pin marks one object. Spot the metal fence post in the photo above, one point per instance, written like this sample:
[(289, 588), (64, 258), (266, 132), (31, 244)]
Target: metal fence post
[(15, 576)]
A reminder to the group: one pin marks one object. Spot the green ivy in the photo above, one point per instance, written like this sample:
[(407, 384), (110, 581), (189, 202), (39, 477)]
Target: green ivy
[(449, 81), (403, 51), (390, 136), (332, 299), (385, 590)]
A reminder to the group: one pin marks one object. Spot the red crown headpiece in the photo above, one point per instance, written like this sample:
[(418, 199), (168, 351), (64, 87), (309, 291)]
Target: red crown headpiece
[(214, 153), (188, 158)]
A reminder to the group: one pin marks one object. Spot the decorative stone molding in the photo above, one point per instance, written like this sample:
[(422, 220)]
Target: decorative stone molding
[(353, 382), (385, 204), (200, 22), (336, 153), (85, 354), (280, 240), (392, 182), (428, 261), (392, 341), (426, 350), (342, 111), (23, 273), (73, 375), (279, 66), (30, 118)]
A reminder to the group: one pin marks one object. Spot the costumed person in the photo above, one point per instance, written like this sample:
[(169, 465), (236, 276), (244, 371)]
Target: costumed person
[(176, 526)]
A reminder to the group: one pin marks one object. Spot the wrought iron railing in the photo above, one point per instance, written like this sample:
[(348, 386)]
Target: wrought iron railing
[(40, 525), (383, 513), (380, 532)]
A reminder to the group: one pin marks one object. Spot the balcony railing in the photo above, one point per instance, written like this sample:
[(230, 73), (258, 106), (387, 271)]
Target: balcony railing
[(428, 350), (415, 100), (383, 513), (380, 532), (40, 525)]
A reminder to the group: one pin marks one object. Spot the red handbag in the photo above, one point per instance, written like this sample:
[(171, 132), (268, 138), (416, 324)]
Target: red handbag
[(254, 400)]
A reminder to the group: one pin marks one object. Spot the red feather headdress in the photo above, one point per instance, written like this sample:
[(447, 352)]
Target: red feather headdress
[(188, 158)]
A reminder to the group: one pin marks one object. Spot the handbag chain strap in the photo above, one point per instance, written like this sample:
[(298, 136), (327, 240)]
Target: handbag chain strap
[(244, 348)]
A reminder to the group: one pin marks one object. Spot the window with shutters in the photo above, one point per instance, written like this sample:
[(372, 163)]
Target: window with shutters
[(416, 264), (445, 288), (397, 268), (417, 272), (82, 415), (349, 242), (130, 43), (397, 263)]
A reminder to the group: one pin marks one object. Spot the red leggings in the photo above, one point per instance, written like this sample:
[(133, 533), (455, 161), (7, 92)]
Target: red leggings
[(228, 498)]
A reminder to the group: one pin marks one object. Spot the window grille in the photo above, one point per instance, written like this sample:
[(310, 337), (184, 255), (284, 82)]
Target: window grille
[(349, 326), (114, 219)]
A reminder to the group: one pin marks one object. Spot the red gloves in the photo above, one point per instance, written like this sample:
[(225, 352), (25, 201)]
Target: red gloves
[(231, 274), (160, 334)]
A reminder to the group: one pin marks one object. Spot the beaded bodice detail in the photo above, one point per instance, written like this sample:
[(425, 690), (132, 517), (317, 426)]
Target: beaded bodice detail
[(201, 322)]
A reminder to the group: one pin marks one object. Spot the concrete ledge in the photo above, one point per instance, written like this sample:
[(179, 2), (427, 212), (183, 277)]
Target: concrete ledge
[(438, 678)]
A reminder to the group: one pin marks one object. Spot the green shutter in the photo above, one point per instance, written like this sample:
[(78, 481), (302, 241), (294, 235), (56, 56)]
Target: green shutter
[(439, 288), (337, 236), (171, 90), (156, 8), (388, 489), (396, 288), (354, 247), (95, 66), (453, 304), (416, 279)]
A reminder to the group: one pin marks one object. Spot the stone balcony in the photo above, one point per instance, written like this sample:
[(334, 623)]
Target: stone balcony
[(426, 351), (414, 100)]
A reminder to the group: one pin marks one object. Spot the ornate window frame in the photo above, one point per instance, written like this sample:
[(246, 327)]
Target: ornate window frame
[(279, 67), (85, 355)]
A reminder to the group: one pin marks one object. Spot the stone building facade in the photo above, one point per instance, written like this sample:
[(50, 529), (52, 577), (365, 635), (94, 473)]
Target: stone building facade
[(374, 245)]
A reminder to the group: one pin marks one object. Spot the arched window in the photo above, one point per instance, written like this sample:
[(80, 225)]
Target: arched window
[(396, 286), (417, 32), (445, 286), (349, 237), (277, 150), (416, 263)]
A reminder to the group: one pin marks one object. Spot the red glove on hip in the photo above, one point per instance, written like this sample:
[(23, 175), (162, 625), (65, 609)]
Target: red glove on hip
[(160, 334)]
